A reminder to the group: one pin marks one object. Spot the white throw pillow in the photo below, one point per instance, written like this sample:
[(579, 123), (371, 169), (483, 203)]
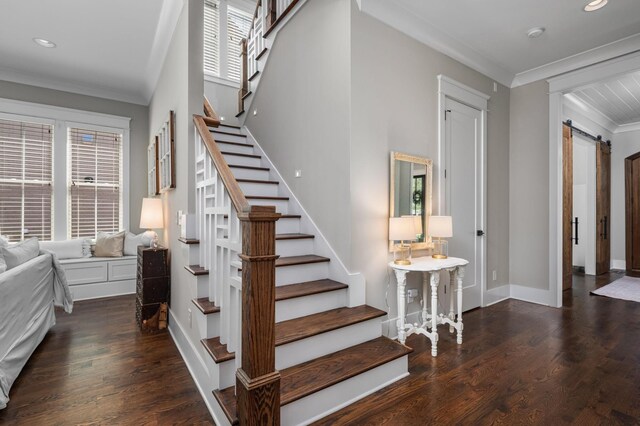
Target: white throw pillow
[(20, 253), (69, 249), (4, 241), (132, 241)]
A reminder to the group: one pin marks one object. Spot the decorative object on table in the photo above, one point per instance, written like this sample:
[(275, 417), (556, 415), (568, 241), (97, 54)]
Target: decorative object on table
[(153, 174), (440, 227), (410, 193), (152, 218), (166, 153), (152, 288), (402, 229)]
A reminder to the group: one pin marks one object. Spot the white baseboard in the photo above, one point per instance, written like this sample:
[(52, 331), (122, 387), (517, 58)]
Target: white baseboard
[(196, 367), (104, 289), (619, 264), (390, 327), (529, 294), (498, 294)]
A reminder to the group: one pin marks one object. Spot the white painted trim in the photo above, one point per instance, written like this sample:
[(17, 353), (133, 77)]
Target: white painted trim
[(197, 368), (572, 101), (584, 59), (167, 22), (619, 264), (631, 127), (103, 289), (220, 80), (404, 20), (450, 88), (530, 294), (496, 295)]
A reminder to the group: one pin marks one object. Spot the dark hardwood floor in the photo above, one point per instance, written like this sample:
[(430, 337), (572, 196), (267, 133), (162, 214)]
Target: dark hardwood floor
[(94, 367), (521, 363)]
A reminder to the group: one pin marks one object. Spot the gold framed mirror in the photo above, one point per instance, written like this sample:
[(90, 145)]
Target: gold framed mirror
[(410, 193)]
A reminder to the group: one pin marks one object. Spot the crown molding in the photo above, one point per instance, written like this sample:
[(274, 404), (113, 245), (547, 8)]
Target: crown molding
[(403, 20), (631, 127), (590, 112), (37, 80), (578, 61)]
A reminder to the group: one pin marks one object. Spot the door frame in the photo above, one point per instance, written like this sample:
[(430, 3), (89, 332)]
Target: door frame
[(559, 86), (452, 89), (628, 228)]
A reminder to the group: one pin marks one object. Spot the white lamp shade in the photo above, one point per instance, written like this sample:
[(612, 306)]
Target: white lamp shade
[(417, 223), (441, 226), (151, 216), (402, 228)]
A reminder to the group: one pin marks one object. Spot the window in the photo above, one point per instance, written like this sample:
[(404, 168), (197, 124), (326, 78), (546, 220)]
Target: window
[(211, 37), (95, 174), (26, 178), (224, 61), (238, 26)]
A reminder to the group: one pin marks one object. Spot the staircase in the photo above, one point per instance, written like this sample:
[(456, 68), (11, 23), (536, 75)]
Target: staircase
[(329, 348)]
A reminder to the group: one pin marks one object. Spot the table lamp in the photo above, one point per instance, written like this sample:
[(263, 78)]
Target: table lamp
[(440, 227), (402, 229), (152, 218)]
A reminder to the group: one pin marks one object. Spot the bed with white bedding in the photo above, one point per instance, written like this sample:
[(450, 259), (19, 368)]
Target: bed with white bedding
[(28, 294)]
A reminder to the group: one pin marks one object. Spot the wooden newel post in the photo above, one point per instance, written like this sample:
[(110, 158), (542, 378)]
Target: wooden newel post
[(244, 82), (257, 381)]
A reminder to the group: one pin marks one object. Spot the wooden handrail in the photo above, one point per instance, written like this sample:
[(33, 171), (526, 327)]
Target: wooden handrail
[(238, 199), (210, 115), (273, 24)]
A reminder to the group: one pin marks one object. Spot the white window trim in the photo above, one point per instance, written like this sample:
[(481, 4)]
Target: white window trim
[(62, 119)]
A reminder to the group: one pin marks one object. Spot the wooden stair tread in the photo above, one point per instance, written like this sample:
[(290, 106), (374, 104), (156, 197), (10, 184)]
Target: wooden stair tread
[(222, 132), (313, 376), (308, 288), (235, 143), (240, 113), (206, 306), (294, 236), (300, 260), (262, 197), (217, 350), (246, 95), (238, 154), (189, 241), (238, 166), (301, 328), (290, 216), (254, 75), (197, 270), (266, 182), (264, 50)]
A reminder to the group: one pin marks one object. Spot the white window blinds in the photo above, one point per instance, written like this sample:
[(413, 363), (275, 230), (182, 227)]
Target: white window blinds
[(238, 26), (25, 180), (212, 37), (95, 173)]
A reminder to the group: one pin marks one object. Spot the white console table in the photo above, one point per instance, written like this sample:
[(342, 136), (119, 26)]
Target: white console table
[(430, 267)]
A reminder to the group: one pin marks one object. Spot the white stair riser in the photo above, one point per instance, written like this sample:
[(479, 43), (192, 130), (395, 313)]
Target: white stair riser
[(309, 305), (228, 138), (288, 226), (317, 405), (242, 161), (227, 376), (209, 325), (281, 205), (202, 289), (266, 190), (193, 253), (326, 343), (249, 173), (246, 149), (294, 247), (301, 273)]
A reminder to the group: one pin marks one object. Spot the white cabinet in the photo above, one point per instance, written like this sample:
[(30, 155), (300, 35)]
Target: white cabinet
[(96, 277)]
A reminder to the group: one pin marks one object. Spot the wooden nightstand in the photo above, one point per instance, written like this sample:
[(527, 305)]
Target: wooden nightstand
[(152, 285)]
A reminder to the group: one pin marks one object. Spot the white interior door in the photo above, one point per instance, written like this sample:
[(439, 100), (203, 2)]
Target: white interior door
[(464, 195)]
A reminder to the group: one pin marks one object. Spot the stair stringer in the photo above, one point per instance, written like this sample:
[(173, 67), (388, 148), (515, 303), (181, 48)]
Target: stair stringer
[(337, 270)]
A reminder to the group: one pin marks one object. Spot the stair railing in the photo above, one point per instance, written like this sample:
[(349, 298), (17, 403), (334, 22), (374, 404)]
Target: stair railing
[(267, 16), (238, 248)]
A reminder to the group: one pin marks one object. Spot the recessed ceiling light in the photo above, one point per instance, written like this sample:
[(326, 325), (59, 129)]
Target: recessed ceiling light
[(535, 32), (595, 5), (44, 42)]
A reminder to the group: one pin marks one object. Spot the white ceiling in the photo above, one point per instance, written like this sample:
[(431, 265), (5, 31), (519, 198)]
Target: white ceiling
[(491, 36), (111, 49), (618, 99)]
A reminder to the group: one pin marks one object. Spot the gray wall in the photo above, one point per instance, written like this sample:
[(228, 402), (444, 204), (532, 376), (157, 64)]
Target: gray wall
[(624, 145), (138, 133), (224, 100), (180, 88), (394, 107), (302, 123), (529, 186)]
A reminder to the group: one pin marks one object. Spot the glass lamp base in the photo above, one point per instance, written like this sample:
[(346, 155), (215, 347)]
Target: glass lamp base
[(402, 254), (440, 249)]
